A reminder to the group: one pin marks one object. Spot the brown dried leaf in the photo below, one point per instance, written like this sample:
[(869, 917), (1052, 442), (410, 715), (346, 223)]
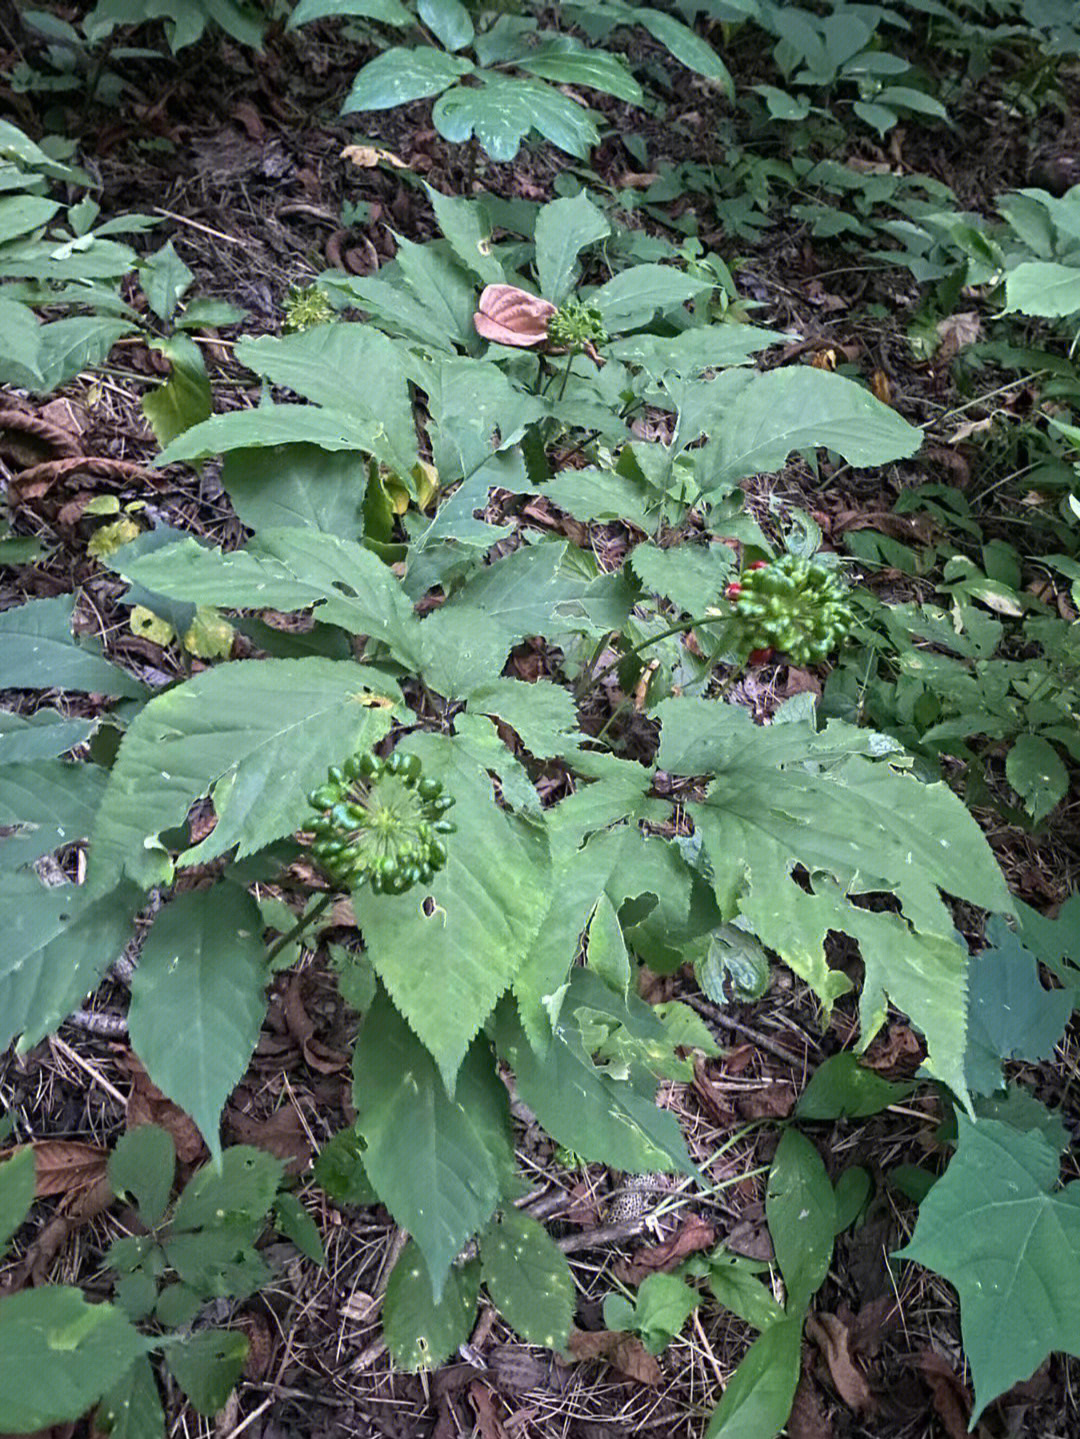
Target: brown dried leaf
[(692, 1235), (952, 1400), (833, 1338), (808, 1419), (511, 316), (147, 1105), (896, 1054), (624, 1352), (956, 332), (281, 1135), (488, 1424), (62, 1166), (771, 1101)]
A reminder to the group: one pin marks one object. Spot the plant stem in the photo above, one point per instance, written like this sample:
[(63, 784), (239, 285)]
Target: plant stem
[(304, 922)]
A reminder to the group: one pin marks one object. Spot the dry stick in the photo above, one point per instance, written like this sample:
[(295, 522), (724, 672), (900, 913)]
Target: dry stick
[(725, 1021), (603, 1234)]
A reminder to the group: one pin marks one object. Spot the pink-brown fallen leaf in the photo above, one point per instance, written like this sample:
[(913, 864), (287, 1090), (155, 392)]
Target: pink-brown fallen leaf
[(510, 316), (624, 1352)]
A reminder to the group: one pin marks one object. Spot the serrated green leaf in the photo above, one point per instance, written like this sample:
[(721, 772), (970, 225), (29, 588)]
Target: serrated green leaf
[(798, 408), (661, 1307), (143, 1166), (998, 1228), (57, 943), (758, 1398), (185, 399), (271, 424), (339, 1169), (603, 495), (84, 1349), (48, 803), (800, 1207), (233, 732), (207, 1366), (528, 1278), (72, 345), (467, 226), (347, 368), (563, 229), (204, 959), (1010, 1014), (842, 1087), (631, 298), (690, 576), (290, 569), (311, 487), (705, 347), (1034, 769), (503, 110), (486, 909), (605, 948), (586, 1110), (439, 1163), (132, 1408), (17, 1188), (239, 1190), (423, 1330), (39, 652), (542, 714), (399, 75)]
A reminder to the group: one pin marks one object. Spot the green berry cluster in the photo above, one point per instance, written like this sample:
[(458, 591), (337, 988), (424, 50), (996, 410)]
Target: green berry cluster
[(306, 307), (380, 820), (794, 606), (576, 325)]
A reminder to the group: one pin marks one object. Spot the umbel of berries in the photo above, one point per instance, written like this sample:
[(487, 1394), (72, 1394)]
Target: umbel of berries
[(794, 606), (380, 820)]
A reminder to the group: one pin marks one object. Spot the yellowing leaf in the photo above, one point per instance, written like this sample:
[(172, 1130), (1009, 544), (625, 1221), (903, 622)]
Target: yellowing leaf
[(209, 636), (110, 538), (149, 626)]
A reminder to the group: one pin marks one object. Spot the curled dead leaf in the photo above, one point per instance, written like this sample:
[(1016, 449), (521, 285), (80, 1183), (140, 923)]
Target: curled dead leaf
[(624, 1352), (511, 316), (692, 1235), (63, 1166)]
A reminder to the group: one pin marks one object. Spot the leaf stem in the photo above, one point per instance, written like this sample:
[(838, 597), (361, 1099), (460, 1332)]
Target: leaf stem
[(304, 922)]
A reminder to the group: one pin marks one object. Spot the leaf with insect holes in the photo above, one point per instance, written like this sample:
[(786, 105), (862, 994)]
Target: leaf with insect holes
[(528, 1278), (422, 1331)]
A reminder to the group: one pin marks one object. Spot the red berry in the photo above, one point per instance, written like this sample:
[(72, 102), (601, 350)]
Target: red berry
[(733, 591), (760, 565)]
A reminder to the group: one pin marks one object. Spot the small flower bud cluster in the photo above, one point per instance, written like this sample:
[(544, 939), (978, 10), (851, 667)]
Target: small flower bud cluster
[(380, 820), (793, 606), (576, 325)]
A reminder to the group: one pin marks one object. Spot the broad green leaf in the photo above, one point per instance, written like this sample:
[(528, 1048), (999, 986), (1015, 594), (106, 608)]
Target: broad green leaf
[(422, 1330), (165, 280), (842, 1087), (604, 495), (687, 47), (690, 576), (448, 21), (586, 1110), (20, 348), (238, 1191), (476, 412), (143, 1166), (57, 943), (299, 485), (999, 1228), (398, 75), (839, 803), (460, 650), (339, 1169), (567, 61), (1034, 769), (542, 714), (447, 290), (132, 1408), (504, 110), (72, 345), (705, 347), (1010, 1015), (289, 569), (48, 803), (272, 424), (528, 1278), (660, 1309), (800, 1207), (43, 735), (393, 305), (798, 408), (389, 12), (257, 735), (467, 226), (735, 1283), (563, 229), (485, 911), (37, 651), (293, 1220), (633, 297), (758, 1398), (438, 1163), (605, 947), (22, 214), (203, 959), (348, 368), (83, 1349), (18, 1183), (535, 591), (185, 399), (207, 1366), (1042, 287)]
